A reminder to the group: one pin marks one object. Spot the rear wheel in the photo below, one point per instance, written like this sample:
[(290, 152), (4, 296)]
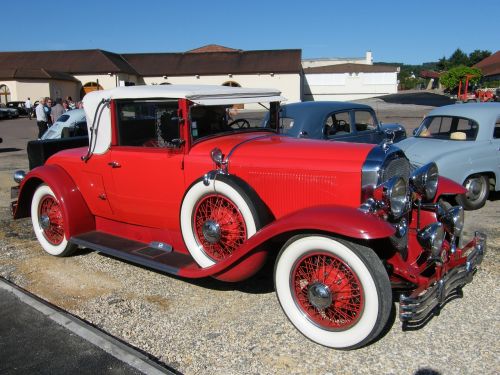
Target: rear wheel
[(477, 192), (48, 222), (335, 292)]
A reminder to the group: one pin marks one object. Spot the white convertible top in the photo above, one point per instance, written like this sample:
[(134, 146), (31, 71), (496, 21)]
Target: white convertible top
[(198, 94)]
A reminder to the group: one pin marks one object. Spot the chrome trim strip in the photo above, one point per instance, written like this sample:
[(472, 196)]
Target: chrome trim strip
[(230, 153)]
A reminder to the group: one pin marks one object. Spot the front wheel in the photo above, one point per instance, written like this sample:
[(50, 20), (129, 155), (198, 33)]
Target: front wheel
[(48, 222), (335, 292), (477, 192), (216, 219)]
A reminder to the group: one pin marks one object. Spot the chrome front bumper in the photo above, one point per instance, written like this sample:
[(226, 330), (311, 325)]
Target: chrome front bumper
[(416, 311)]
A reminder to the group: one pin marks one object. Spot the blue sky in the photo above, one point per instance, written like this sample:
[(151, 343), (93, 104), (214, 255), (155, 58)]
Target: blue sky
[(411, 32)]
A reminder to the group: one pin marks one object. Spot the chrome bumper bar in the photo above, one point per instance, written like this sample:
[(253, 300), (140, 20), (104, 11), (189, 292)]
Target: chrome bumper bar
[(416, 311)]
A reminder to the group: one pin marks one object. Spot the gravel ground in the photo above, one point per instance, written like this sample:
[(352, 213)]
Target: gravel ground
[(209, 327)]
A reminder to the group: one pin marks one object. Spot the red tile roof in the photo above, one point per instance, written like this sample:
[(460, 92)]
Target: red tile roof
[(27, 73), (490, 66), (351, 68), (210, 63), (72, 62), (213, 48)]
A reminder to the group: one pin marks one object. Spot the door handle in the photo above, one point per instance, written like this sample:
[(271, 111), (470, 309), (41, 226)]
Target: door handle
[(114, 164)]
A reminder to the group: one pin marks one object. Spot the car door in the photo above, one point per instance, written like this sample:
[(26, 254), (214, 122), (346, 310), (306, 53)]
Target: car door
[(496, 151), (146, 168), (366, 127)]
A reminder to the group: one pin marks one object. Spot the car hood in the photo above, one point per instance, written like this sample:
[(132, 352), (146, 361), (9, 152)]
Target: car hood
[(424, 150), (292, 173), (268, 149)]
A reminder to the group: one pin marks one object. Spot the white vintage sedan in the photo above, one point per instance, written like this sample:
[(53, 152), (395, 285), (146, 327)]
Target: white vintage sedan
[(464, 141), (71, 120)]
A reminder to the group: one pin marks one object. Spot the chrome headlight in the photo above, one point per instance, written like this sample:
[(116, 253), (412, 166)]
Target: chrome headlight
[(19, 176), (394, 195), (425, 181), (453, 220), (431, 238)]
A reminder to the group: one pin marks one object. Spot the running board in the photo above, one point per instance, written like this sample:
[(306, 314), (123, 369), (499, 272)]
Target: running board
[(160, 258)]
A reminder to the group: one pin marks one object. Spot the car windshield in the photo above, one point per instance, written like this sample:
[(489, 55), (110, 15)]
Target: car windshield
[(63, 118), (448, 127), (220, 119)]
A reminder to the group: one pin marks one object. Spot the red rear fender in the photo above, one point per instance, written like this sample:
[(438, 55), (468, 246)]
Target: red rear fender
[(66, 192)]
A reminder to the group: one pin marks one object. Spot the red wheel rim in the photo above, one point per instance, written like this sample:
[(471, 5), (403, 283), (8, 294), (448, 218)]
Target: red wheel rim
[(327, 291), (51, 220), (218, 226)]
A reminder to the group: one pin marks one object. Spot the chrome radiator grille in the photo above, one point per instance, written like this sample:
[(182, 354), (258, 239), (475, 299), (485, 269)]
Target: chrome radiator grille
[(396, 167)]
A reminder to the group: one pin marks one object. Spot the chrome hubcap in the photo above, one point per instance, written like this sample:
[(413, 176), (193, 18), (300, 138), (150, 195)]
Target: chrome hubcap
[(44, 221), (211, 231), (319, 295), (474, 189)]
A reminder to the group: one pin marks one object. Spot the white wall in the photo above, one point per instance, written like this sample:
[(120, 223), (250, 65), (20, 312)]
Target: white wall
[(348, 86), (288, 84), (63, 89)]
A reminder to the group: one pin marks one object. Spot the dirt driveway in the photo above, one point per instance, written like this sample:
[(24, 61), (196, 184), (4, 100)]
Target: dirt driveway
[(208, 327)]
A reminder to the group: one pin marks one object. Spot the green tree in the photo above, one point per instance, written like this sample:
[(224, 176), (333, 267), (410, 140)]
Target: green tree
[(478, 55), (452, 77), (458, 58)]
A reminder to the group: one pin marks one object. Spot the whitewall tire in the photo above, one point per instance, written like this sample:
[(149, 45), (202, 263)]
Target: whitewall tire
[(215, 220), (48, 222), (335, 292)]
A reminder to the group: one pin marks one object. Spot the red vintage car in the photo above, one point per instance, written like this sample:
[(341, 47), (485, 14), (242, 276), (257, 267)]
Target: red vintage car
[(176, 179)]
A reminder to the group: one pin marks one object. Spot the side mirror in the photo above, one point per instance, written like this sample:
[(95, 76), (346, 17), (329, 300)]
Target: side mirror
[(415, 131)]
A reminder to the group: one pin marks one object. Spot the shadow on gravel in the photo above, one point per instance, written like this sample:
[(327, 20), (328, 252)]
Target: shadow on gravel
[(260, 283), (9, 149), (418, 98), (494, 196)]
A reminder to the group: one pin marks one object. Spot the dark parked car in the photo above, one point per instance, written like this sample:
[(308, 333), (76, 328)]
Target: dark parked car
[(341, 121), (21, 108)]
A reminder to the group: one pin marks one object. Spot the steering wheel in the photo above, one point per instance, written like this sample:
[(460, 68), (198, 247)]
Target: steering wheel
[(240, 123)]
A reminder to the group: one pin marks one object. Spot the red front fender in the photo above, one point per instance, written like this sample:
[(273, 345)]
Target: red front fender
[(66, 192), (448, 187), (344, 221)]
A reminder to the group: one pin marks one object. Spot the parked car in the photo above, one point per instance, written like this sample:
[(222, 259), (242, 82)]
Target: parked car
[(170, 182), (20, 106), (464, 142), (69, 131), (9, 113), (3, 114), (71, 123), (341, 121)]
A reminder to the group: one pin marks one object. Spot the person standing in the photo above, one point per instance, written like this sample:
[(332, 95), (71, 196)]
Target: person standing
[(48, 108), (29, 107), (57, 110), (41, 118)]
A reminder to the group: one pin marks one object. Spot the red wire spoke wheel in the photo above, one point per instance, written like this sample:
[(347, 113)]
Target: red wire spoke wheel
[(51, 220), (48, 222), (327, 290), (335, 292), (217, 217), (219, 226)]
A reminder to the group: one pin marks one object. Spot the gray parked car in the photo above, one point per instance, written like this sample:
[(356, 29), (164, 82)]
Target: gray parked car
[(464, 141), (341, 121)]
